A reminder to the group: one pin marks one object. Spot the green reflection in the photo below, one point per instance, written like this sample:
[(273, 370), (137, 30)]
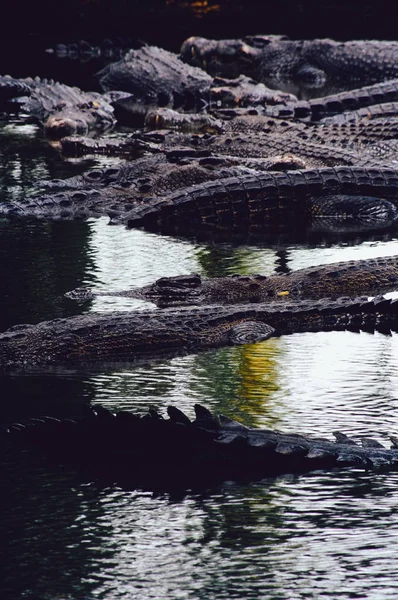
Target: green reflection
[(220, 260), (242, 382)]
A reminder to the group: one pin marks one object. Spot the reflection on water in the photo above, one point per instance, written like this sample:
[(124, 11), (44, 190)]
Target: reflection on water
[(312, 536), (320, 535), (304, 382)]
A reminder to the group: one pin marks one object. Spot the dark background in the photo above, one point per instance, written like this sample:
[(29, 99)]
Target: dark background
[(38, 23)]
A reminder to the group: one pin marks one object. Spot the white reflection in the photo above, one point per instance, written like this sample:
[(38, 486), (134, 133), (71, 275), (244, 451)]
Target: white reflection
[(125, 259), (305, 256)]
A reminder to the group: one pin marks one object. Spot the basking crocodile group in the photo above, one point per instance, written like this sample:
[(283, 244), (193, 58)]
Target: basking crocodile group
[(153, 451), (244, 142), (236, 157), (62, 110), (250, 202), (155, 77), (146, 77), (277, 59)]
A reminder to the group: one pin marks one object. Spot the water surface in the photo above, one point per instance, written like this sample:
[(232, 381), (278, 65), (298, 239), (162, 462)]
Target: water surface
[(320, 535)]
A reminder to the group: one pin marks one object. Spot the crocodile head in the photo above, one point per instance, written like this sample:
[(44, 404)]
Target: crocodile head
[(226, 58), (57, 127)]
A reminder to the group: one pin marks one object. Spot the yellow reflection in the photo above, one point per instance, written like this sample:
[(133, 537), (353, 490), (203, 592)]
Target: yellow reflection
[(242, 382), (258, 371)]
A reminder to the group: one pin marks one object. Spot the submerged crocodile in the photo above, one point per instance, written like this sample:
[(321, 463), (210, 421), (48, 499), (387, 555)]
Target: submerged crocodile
[(353, 277), (248, 203), (309, 63), (153, 451), (62, 110), (101, 340)]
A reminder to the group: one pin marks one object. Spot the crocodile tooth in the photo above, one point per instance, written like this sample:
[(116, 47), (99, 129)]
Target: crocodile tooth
[(371, 443), (342, 438)]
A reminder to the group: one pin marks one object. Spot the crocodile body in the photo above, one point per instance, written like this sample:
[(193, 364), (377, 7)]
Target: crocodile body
[(156, 77), (351, 278), (161, 173), (151, 76), (251, 202), (154, 451), (101, 340), (62, 110), (362, 140), (362, 143), (310, 63), (260, 201), (333, 104), (373, 97), (325, 146)]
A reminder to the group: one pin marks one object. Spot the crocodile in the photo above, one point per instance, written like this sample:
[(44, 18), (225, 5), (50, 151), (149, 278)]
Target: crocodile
[(102, 340), (306, 63), (326, 151), (152, 451), (255, 202), (161, 173), (61, 110), (152, 76), (363, 141), (263, 201), (372, 97), (155, 77), (353, 277)]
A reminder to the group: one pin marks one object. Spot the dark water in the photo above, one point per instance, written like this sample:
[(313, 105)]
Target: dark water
[(321, 535)]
